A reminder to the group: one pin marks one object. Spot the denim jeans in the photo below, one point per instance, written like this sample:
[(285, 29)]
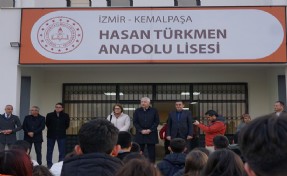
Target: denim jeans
[(50, 148)]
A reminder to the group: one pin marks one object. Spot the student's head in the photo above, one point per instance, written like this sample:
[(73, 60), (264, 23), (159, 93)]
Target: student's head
[(21, 145), (98, 135), (179, 105), (138, 167), (195, 162), (16, 163), (124, 139), (236, 149), (264, 146), (41, 171), (203, 149), (118, 108), (135, 147), (278, 106), (177, 145), (133, 155), (211, 115), (59, 107), (224, 162), (220, 142)]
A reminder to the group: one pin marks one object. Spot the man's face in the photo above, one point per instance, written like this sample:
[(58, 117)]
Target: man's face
[(211, 118), (8, 110), (58, 108), (278, 107), (34, 111), (179, 106), (144, 104)]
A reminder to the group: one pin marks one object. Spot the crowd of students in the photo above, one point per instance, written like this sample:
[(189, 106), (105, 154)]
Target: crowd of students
[(103, 150)]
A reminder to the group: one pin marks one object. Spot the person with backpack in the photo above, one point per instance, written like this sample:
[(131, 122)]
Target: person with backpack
[(119, 119), (175, 161)]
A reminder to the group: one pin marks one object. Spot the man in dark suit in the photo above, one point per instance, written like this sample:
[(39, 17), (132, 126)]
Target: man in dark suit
[(179, 123), (146, 120), (57, 123), (33, 126), (9, 125), (279, 109)]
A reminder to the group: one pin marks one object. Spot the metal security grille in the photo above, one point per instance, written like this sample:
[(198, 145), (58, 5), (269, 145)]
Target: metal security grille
[(229, 100), (84, 102)]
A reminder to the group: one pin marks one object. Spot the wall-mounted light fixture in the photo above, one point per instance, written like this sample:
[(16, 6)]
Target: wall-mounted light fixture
[(15, 44)]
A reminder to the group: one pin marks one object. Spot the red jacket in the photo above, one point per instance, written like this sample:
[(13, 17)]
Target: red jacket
[(162, 132), (212, 130)]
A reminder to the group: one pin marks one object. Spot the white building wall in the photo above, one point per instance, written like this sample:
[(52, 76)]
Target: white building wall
[(9, 72), (262, 82), (272, 83)]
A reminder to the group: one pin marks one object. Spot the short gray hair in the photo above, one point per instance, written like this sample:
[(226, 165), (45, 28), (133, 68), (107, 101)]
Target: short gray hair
[(145, 99), (36, 107)]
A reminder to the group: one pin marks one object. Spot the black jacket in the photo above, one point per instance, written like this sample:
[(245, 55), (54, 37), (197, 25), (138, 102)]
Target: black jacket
[(57, 126), (91, 164), (35, 125), (172, 163), (121, 156), (143, 120)]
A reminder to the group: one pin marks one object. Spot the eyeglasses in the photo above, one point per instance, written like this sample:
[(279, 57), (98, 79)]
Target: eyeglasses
[(58, 107)]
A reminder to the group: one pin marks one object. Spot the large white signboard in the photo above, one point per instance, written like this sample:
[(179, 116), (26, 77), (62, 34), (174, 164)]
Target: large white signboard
[(157, 35)]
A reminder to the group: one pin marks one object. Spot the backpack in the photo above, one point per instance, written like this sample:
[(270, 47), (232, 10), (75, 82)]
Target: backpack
[(174, 168)]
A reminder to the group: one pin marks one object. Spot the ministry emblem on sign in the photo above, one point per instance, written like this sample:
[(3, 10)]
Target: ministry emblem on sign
[(60, 35)]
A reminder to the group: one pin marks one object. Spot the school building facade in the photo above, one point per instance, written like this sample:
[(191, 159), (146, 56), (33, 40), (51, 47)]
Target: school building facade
[(230, 59)]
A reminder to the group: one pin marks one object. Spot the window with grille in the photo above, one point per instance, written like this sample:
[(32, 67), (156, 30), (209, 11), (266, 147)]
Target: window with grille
[(85, 102)]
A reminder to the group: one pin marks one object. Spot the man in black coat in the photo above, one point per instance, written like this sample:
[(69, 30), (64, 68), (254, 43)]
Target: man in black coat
[(179, 123), (57, 123), (33, 126), (96, 151), (9, 125), (279, 109), (146, 120)]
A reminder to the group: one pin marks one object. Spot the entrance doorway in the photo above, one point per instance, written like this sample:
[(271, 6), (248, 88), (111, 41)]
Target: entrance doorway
[(85, 102)]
